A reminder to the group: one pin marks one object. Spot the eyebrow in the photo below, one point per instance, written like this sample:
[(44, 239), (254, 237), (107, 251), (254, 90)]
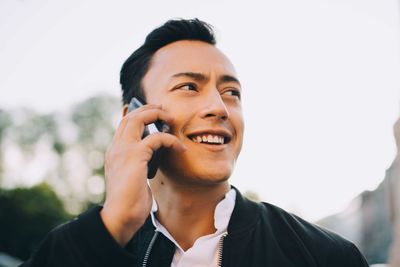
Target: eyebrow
[(228, 78), (200, 77)]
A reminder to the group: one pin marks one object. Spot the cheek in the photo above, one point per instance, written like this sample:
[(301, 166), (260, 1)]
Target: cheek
[(236, 117), (238, 124), (181, 113)]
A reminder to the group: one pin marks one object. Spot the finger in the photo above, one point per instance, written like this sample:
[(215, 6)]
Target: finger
[(136, 122), (125, 118), (157, 140)]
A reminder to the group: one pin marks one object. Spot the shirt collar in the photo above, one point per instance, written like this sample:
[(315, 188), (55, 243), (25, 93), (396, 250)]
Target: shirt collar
[(222, 214)]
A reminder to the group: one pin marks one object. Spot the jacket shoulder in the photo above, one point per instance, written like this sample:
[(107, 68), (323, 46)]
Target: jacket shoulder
[(83, 241), (325, 247)]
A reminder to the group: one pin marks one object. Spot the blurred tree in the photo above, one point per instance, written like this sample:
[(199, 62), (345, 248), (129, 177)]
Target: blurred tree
[(252, 196), (27, 128), (27, 214), (69, 146), (5, 122), (94, 119), (67, 151)]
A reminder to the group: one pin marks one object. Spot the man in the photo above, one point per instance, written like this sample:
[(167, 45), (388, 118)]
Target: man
[(188, 215)]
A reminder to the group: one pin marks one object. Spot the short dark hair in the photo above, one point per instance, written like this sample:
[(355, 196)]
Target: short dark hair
[(137, 65)]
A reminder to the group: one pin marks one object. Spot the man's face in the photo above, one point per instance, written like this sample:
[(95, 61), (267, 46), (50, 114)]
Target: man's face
[(197, 85)]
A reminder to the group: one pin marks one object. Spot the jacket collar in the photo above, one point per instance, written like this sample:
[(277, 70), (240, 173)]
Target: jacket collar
[(245, 214)]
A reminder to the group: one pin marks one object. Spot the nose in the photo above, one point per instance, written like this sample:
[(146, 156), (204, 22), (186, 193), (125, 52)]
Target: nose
[(215, 107)]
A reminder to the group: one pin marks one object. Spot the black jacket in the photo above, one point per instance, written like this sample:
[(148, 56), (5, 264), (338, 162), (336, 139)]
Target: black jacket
[(259, 234)]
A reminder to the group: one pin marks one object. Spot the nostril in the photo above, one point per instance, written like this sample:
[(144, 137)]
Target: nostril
[(222, 117)]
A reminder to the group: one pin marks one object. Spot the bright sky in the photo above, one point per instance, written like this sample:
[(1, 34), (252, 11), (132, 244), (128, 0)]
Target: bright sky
[(320, 81)]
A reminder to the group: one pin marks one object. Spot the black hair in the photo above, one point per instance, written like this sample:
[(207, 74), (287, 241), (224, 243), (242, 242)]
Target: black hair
[(137, 65)]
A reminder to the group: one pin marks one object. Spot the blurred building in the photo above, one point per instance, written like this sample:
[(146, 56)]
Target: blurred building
[(393, 184), (372, 220)]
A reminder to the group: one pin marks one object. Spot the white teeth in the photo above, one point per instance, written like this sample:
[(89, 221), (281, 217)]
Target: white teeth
[(208, 138)]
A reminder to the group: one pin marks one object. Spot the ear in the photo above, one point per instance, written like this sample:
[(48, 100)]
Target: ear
[(124, 110)]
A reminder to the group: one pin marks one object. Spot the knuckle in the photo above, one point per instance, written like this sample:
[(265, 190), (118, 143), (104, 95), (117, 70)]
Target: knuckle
[(131, 115), (124, 121)]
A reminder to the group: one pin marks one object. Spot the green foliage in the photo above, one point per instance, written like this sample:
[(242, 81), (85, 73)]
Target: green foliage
[(74, 141), (25, 127), (252, 196), (93, 118), (31, 128), (27, 214), (5, 121)]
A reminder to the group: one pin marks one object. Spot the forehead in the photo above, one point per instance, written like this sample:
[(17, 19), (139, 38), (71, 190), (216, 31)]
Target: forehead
[(188, 56)]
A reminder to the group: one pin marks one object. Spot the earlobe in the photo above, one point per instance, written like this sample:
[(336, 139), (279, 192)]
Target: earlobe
[(124, 110)]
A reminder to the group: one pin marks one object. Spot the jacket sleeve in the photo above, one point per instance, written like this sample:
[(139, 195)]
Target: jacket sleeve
[(84, 241), (345, 254), (357, 258)]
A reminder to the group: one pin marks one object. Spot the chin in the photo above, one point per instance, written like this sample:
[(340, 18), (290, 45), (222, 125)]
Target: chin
[(193, 168), (211, 178), (198, 174), (222, 173)]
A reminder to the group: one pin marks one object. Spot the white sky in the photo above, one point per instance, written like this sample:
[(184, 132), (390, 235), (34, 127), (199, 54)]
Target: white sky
[(320, 80)]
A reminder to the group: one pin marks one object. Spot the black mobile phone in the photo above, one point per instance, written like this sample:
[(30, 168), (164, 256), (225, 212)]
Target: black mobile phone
[(157, 126)]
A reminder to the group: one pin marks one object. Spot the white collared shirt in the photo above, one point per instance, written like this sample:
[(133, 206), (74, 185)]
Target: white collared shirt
[(204, 251)]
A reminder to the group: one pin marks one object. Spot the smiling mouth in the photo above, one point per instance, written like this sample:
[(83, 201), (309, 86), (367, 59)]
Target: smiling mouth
[(211, 139)]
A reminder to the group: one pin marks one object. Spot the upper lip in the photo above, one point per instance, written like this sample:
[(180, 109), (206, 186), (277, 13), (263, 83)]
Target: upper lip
[(214, 131)]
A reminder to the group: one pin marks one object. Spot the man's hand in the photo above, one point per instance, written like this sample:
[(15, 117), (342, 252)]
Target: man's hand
[(128, 196)]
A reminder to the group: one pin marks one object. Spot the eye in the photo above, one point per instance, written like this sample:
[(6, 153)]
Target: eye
[(232, 92), (187, 86)]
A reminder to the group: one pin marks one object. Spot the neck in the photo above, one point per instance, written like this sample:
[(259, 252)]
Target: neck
[(187, 211)]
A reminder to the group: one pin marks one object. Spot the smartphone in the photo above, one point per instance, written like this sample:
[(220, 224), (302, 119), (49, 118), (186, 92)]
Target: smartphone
[(157, 126)]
